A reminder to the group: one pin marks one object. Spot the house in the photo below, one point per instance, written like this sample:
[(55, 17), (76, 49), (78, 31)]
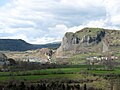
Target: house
[(93, 60)]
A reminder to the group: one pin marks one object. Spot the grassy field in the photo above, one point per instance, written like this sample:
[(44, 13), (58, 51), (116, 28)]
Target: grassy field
[(81, 58), (64, 69), (49, 76), (70, 72)]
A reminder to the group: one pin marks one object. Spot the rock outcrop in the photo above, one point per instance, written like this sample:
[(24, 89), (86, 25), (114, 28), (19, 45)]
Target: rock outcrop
[(42, 55), (3, 59), (89, 40)]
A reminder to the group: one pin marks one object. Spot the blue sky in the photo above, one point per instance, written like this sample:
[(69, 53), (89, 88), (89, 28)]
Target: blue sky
[(3, 2), (45, 21)]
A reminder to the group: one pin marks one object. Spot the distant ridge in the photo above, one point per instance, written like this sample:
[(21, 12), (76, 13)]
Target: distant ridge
[(21, 45)]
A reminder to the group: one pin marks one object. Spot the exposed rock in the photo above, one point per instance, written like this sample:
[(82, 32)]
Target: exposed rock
[(3, 59), (40, 55), (105, 47), (89, 40)]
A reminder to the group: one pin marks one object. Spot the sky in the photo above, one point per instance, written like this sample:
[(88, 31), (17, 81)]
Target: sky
[(46, 21)]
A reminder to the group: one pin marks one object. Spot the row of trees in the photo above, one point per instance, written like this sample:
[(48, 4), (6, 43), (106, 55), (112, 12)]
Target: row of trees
[(46, 86)]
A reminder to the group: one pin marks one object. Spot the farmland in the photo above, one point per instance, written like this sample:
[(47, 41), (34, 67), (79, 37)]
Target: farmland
[(62, 72), (71, 74), (67, 75)]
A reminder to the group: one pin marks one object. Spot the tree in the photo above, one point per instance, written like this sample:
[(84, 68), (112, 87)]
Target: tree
[(85, 87)]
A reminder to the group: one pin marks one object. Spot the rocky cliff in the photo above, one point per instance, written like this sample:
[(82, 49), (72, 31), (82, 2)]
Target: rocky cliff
[(89, 40)]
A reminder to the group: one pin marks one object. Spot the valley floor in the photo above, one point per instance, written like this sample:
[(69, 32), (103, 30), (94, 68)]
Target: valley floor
[(72, 76)]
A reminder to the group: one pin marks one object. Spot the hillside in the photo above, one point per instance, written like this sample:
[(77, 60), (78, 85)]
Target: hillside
[(42, 55), (95, 40), (21, 45)]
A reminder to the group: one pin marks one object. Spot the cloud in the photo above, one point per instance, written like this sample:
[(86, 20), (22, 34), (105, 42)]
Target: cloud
[(43, 21), (20, 36), (45, 40), (113, 11)]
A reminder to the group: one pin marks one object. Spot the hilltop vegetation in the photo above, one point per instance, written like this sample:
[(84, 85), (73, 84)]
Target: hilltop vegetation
[(89, 40), (21, 45), (88, 59)]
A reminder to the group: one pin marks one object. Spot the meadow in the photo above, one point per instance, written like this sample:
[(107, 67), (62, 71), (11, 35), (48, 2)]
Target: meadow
[(70, 71), (96, 78)]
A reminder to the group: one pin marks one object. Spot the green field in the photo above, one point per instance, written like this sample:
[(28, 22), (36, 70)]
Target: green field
[(70, 72)]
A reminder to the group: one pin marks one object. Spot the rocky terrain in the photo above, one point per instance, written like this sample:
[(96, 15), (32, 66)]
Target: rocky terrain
[(96, 40), (39, 55), (3, 59), (75, 47)]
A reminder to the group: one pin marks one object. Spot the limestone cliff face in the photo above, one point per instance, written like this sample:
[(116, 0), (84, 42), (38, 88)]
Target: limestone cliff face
[(89, 40)]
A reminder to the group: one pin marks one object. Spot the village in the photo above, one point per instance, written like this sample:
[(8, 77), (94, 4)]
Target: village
[(109, 62)]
